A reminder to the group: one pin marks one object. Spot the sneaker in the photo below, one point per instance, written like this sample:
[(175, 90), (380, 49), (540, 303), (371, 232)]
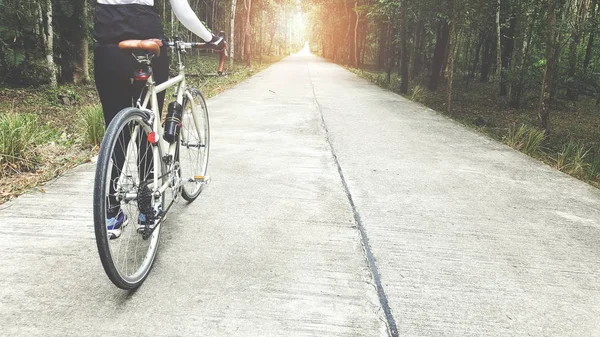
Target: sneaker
[(115, 224), (145, 223)]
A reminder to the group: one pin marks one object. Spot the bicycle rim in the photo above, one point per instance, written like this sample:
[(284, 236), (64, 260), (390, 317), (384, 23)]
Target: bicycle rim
[(194, 145), (120, 184)]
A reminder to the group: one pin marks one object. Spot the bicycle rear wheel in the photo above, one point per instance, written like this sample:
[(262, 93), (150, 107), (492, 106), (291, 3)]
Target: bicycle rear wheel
[(194, 145), (123, 184)]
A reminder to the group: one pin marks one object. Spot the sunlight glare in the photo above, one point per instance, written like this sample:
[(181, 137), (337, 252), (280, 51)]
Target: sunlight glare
[(305, 50)]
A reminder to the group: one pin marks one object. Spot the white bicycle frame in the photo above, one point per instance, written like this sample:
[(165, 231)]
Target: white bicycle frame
[(152, 97)]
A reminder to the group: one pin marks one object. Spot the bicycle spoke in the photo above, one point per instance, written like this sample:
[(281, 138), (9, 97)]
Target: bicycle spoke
[(193, 156), (128, 256)]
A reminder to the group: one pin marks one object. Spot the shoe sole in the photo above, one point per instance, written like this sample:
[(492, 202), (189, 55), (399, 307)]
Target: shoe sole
[(116, 233)]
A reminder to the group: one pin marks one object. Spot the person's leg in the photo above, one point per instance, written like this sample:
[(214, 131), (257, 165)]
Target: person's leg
[(160, 71), (112, 74)]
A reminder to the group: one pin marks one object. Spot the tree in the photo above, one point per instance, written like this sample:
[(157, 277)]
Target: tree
[(48, 37), (552, 48), (247, 33), (451, 53), (441, 45), (81, 69), (404, 49), (232, 32)]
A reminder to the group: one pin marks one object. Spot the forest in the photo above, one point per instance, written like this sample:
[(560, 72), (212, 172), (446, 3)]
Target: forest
[(50, 117), (526, 72), (544, 45), (49, 41), (523, 71)]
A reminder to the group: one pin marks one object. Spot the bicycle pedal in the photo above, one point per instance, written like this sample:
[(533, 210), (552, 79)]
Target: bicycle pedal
[(202, 179)]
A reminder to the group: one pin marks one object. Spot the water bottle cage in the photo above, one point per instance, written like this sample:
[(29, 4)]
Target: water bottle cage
[(174, 120), (173, 123)]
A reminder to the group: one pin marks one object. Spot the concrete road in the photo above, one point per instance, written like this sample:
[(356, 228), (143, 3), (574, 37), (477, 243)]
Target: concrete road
[(335, 209)]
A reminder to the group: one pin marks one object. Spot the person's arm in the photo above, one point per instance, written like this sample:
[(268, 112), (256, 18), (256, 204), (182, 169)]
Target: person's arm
[(188, 18)]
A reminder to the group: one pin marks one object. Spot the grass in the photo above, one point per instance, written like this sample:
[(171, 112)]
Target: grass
[(575, 126), (45, 131), (525, 139), (92, 125), (417, 93), (19, 135), (593, 172), (572, 159)]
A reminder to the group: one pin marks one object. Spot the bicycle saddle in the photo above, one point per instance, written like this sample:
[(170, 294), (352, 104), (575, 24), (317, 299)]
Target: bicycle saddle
[(150, 46)]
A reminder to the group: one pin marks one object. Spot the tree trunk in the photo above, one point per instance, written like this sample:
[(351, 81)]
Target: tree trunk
[(363, 41), (248, 35), (260, 49), (486, 58), (439, 54), (232, 32), (417, 64), (349, 39), (508, 44), (355, 60), (593, 29), (213, 14), (451, 53), (242, 33), (382, 43), (404, 50), (551, 58), (49, 39), (391, 53), (571, 81), (480, 43), (40, 29), (273, 37), (498, 41), (81, 71), (581, 11), (524, 65)]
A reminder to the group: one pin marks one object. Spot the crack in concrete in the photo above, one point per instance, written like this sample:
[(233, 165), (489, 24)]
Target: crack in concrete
[(383, 300)]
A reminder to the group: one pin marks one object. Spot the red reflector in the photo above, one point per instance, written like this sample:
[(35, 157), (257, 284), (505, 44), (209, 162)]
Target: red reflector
[(142, 78), (152, 138)]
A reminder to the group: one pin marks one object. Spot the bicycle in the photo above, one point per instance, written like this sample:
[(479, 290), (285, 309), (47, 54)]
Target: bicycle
[(141, 165)]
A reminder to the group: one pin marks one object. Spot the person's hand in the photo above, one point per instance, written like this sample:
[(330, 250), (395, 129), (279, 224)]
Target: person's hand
[(218, 41)]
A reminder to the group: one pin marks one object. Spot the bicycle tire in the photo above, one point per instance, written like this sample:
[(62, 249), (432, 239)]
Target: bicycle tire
[(194, 146), (126, 121)]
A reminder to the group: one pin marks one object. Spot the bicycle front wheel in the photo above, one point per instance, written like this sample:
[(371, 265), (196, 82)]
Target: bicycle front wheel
[(194, 145), (123, 199)]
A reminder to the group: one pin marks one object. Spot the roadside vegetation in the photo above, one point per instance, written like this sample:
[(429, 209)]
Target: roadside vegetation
[(45, 131), (50, 118), (525, 72), (573, 147)]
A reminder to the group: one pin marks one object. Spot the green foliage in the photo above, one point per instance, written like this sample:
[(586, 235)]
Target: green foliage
[(525, 139), (572, 159), (417, 93), (91, 124), (30, 73), (593, 171), (62, 94), (19, 135)]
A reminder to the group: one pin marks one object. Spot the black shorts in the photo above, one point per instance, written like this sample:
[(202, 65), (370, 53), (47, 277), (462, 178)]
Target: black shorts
[(113, 72)]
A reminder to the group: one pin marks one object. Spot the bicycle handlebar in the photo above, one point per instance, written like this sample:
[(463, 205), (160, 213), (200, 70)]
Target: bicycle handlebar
[(222, 52), (205, 45)]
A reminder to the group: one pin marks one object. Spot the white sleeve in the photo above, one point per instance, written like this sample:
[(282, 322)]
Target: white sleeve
[(188, 18)]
